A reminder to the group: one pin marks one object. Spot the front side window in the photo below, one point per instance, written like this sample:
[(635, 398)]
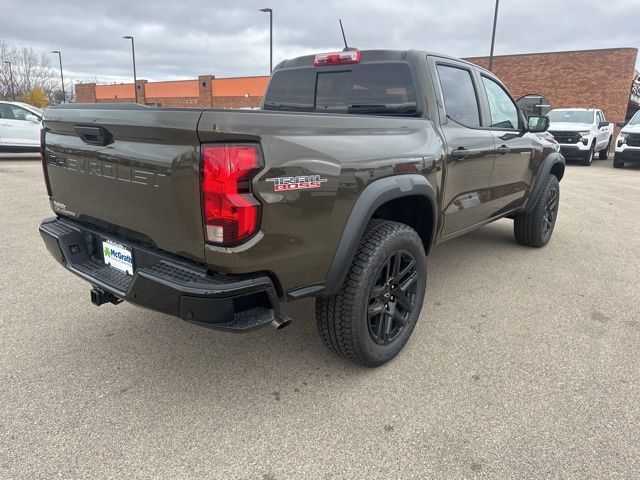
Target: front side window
[(460, 100), (504, 113)]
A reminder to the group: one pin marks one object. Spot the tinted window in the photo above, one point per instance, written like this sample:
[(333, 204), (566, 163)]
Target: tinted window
[(504, 113), (460, 99), (384, 88), (291, 88)]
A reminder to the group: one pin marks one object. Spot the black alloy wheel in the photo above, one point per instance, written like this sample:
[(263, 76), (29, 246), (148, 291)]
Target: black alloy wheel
[(392, 298)]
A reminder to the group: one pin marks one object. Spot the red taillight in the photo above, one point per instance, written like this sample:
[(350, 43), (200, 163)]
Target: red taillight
[(337, 58), (230, 212), (43, 159)]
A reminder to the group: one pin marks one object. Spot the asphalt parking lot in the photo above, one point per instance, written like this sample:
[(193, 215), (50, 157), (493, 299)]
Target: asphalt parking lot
[(524, 364)]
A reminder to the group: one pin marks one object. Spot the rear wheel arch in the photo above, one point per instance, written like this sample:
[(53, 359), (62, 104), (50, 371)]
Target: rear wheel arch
[(382, 199), (415, 211)]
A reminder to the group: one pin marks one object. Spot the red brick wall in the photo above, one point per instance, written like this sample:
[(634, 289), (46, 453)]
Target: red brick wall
[(585, 79), (85, 92), (121, 93)]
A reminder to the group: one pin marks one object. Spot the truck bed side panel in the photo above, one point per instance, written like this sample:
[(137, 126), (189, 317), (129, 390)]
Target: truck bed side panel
[(302, 228)]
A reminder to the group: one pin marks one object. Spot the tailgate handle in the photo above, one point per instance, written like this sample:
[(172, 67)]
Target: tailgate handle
[(94, 135)]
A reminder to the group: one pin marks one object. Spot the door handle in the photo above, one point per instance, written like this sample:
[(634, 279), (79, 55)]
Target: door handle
[(460, 152), (94, 135), (503, 150)]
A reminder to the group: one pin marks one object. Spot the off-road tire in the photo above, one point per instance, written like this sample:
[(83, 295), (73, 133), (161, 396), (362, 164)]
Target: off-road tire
[(531, 229), (604, 153), (344, 320)]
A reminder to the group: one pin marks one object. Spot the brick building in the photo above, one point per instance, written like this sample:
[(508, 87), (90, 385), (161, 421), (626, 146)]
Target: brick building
[(207, 92), (588, 78)]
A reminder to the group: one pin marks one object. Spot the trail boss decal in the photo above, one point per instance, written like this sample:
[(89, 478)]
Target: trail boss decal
[(281, 184)]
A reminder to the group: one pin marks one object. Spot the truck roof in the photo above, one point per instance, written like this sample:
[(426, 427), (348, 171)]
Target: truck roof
[(373, 55)]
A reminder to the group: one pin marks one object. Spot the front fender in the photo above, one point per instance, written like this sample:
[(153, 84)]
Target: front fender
[(545, 169)]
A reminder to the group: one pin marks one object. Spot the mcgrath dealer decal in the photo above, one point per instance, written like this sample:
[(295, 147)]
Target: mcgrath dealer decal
[(281, 184)]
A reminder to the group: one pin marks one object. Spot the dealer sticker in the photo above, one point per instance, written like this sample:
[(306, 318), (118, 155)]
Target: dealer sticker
[(117, 256)]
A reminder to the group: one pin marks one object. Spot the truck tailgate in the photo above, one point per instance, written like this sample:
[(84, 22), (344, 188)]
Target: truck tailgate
[(128, 169)]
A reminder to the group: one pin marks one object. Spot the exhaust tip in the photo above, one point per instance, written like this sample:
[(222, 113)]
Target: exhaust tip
[(280, 322)]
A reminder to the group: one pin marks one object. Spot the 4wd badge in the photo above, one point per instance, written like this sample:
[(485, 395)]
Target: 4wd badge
[(281, 184)]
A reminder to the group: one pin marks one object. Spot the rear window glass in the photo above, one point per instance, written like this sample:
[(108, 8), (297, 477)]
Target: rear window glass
[(384, 88)]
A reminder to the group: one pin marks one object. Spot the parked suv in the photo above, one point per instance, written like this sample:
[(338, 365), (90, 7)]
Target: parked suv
[(357, 165), (628, 142), (581, 132)]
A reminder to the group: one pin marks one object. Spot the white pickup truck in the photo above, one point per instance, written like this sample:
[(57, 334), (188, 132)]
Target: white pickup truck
[(628, 142), (581, 132)]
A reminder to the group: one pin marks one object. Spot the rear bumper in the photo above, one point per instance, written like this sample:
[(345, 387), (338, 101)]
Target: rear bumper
[(164, 282)]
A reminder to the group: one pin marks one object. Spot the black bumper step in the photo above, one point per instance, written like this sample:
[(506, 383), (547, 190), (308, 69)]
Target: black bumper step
[(165, 282)]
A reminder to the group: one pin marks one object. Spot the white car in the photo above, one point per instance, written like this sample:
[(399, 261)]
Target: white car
[(581, 132), (19, 127), (628, 142)]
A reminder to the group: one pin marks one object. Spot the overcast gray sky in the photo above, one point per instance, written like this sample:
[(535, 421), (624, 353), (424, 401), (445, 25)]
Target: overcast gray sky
[(186, 38)]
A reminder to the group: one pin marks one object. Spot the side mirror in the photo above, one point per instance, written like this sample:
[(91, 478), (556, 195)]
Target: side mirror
[(620, 124), (537, 124), (603, 124), (32, 118)]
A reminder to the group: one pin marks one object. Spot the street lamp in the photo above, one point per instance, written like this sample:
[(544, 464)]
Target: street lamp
[(493, 35), (13, 92), (135, 80), (270, 12), (64, 97)]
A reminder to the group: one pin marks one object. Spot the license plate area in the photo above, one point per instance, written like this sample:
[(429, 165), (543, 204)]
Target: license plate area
[(117, 256)]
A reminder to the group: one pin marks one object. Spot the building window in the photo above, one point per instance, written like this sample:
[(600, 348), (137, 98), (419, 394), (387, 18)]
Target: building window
[(534, 104)]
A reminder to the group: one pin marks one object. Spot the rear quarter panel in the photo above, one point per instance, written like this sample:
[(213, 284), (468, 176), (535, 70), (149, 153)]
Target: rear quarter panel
[(300, 229)]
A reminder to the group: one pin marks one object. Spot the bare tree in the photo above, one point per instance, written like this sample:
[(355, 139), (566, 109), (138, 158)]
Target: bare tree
[(28, 71)]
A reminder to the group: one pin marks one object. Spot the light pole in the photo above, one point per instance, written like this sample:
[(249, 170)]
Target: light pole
[(64, 97), (13, 92), (270, 12), (493, 35), (135, 80)]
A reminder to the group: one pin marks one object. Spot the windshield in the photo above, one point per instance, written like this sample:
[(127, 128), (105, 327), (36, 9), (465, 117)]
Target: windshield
[(570, 116), (374, 88), (39, 111), (635, 120)]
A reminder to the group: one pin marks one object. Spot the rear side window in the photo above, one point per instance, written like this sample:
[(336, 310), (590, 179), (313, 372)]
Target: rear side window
[(375, 88), (293, 89), (460, 100)]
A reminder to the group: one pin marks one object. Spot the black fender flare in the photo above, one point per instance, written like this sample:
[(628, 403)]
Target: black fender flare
[(548, 163), (370, 199)]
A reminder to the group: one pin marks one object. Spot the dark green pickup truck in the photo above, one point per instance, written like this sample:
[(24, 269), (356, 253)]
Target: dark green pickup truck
[(357, 164)]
